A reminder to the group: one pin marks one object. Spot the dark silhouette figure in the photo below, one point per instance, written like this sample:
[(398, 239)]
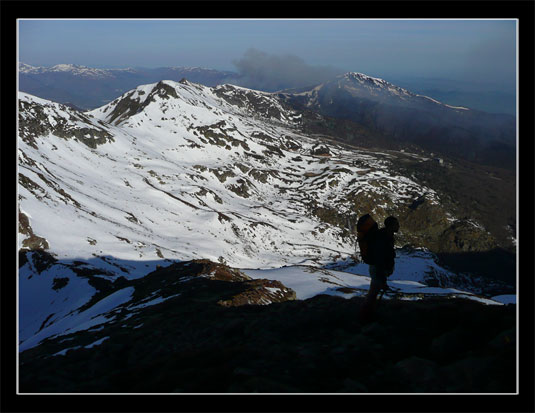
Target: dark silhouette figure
[(382, 254)]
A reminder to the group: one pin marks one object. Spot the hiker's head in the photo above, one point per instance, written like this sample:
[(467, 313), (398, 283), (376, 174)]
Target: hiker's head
[(392, 224)]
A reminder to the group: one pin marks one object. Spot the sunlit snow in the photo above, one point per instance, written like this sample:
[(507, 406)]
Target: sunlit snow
[(185, 174)]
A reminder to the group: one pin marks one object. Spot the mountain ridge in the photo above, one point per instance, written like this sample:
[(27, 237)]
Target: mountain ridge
[(378, 106), (89, 88), (217, 131), (147, 179)]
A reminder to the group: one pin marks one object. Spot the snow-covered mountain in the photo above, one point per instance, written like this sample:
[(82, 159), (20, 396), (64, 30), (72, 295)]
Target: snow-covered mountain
[(178, 171), (380, 90), (406, 117), (168, 158), (75, 70), (84, 71), (394, 115)]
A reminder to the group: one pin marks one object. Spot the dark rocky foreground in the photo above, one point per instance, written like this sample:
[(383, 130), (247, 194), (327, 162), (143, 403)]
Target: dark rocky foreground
[(208, 340)]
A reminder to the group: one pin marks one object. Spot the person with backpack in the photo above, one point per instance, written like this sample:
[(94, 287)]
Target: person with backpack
[(377, 250)]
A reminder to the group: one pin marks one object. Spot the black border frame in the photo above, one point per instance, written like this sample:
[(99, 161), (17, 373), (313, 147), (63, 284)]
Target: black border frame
[(524, 11)]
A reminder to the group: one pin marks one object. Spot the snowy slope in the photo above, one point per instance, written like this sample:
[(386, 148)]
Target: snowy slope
[(192, 176), (62, 315), (179, 171), (308, 282), (357, 82), (404, 117), (360, 85)]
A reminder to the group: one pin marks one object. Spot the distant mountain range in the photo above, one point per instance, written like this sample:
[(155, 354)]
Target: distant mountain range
[(88, 88), (389, 115)]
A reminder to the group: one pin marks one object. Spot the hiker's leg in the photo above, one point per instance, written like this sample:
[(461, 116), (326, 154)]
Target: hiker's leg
[(377, 284), (368, 307), (381, 280), (377, 281), (375, 288), (373, 275), (371, 297)]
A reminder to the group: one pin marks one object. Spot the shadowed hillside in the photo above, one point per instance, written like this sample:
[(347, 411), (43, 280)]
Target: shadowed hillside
[(202, 338)]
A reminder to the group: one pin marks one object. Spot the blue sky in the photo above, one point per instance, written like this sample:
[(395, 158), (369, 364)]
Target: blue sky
[(472, 50)]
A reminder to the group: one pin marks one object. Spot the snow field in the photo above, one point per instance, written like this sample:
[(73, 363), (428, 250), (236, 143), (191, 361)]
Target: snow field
[(157, 192)]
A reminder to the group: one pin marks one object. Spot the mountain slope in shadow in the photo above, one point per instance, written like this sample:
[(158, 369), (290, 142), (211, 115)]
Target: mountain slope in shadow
[(210, 333)]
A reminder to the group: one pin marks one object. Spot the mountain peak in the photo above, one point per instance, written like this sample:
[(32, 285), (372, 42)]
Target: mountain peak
[(392, 89), (66, 67), (363, 77), (376, 83), (26, 68)]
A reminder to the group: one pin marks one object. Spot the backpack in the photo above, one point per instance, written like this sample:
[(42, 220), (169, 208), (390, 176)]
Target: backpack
[(366, 228)]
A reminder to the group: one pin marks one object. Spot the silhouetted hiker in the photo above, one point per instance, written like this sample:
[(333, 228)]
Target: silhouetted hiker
[(382, 254)]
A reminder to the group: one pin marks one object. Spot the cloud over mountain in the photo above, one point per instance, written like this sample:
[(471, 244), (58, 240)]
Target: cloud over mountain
[(260, 70)]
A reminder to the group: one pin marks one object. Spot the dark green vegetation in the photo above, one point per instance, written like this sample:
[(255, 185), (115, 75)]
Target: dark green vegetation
[(203, 340)]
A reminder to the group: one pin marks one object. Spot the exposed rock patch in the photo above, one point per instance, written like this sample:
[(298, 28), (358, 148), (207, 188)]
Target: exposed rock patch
[(260, 292), (32, 242), (37, 120)]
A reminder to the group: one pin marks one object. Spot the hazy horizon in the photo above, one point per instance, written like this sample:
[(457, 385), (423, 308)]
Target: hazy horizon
[(482, 51), (457, 61)]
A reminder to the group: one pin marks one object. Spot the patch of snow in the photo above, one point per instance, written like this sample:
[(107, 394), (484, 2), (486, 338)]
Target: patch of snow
[(74, 322), (154, 301), (456, 107), (64, 352), (96, 343), (505, 298), (308, 282)]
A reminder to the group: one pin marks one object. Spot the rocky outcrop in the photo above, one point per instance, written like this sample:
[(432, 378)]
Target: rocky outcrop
[(260, 292), (251, 292), (257, 103), (39, 259), (38, 120), (32, 241), (465, 236), (320, 150)]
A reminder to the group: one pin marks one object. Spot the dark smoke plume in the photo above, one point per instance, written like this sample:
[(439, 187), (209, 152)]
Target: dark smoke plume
[(271, 73)]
